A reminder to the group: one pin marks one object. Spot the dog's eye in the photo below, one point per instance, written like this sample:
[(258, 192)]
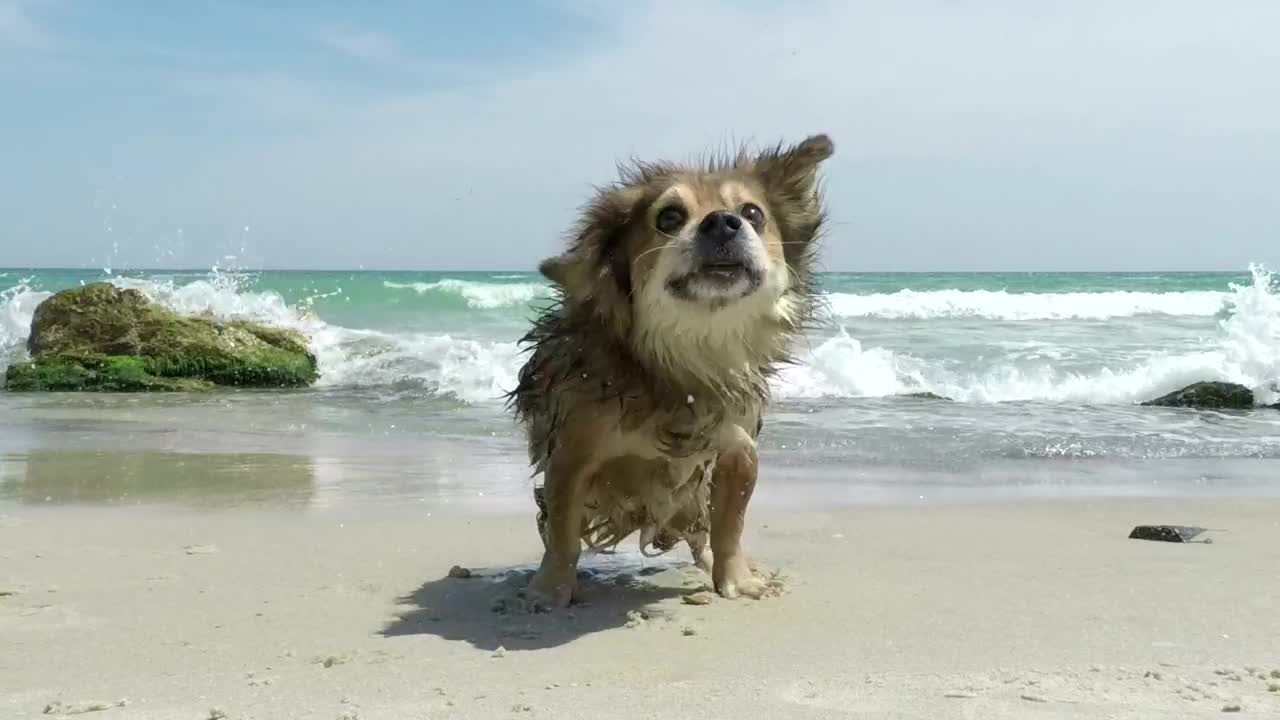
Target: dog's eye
[(670, 219), (753, 214)]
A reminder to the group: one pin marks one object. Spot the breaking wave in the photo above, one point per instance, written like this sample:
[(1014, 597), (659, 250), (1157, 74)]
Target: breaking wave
[(1002, 305), (461, 365), (478, 295), (904, 304), (1246, 350)]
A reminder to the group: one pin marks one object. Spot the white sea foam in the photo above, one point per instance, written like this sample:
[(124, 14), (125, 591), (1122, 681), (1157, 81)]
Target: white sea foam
[(904, 304), (1245, 349), (478, 295), (1001, 305), (473, 371), (17, 305)]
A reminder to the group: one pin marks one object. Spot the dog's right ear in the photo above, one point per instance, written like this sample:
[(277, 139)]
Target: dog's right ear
[(595, 263), (553, 269), (595, 270), (569, 271), (556, 269)]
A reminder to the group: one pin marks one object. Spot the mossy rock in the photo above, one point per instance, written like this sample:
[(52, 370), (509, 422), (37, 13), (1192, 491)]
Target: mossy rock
[(104, 338), (1209, 395)]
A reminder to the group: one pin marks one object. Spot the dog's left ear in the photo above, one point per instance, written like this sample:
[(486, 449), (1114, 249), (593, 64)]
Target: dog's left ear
[(790, 179), (792, 172)]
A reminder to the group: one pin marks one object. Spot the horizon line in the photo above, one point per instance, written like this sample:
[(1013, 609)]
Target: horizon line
[(119, 271)]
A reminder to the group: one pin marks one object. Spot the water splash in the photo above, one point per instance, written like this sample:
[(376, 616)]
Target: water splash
[(1251, 345), (17, 306)]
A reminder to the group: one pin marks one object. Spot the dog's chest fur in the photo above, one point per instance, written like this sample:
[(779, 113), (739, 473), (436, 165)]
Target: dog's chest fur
[(653, 443), (653, 473)]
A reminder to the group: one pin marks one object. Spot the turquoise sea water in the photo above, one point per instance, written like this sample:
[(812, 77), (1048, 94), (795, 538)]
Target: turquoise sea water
[(412, 300), (1044, 370)]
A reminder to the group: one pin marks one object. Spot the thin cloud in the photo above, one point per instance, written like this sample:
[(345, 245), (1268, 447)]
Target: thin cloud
[(366, 46), (20, 29), (991, 134), (998, 121)]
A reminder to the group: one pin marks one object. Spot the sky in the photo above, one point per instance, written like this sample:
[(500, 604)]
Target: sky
[(983, 135)]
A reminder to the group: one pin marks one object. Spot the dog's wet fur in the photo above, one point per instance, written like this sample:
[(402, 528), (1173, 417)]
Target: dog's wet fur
[(682, 290)]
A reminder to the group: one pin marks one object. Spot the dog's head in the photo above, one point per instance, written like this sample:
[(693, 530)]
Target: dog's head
[(721, 248)]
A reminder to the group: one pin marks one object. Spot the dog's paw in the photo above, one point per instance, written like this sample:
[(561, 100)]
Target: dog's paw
[(733, 578), (703, 559), (749, 586), (549, 591), (704, 562)]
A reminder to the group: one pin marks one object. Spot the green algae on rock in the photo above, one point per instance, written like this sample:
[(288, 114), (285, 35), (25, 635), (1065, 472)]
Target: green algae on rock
[(103, 338), (105, 373)]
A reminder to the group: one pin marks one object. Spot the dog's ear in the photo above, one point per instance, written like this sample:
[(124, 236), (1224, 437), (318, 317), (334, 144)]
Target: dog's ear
[(790, 179), (792, 172), (559, 270), (595, 267), (577, 274)]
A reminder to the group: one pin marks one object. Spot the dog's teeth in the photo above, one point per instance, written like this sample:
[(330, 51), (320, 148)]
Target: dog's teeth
[(689, 400)]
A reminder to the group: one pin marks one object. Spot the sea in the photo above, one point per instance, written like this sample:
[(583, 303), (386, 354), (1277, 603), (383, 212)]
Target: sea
[(1042, 375)]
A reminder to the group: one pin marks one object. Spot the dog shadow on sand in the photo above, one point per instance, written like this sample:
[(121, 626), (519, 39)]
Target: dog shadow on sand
[(486, 607)]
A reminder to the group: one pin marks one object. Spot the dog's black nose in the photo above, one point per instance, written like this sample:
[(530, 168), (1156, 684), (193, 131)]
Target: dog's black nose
[(720, 226)]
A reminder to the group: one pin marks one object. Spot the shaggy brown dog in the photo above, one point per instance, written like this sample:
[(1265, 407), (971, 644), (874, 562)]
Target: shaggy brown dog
[(679, 295)]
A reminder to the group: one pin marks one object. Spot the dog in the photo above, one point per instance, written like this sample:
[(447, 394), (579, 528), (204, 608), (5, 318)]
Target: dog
[(681, 291)]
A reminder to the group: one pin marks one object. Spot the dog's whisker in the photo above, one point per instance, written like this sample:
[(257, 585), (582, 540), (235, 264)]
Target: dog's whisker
[(660, 248), (631, 293)]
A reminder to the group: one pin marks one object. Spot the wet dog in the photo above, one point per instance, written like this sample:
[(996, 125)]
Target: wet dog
[(681, 292)]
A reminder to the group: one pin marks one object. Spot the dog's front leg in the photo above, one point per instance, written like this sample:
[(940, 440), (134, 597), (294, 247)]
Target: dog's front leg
[(733, 483), (557, 577)]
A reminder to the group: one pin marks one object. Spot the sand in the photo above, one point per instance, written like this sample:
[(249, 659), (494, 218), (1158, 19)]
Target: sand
[(1001, 610)]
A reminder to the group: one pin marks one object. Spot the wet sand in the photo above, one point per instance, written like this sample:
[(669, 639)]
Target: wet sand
[(966, 610)]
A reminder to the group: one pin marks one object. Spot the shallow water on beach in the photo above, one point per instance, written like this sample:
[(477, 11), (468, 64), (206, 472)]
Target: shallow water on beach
[(1043, 372), (309, 451)]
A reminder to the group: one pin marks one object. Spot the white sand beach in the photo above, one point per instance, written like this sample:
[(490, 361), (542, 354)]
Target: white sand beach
[(999, 610)]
